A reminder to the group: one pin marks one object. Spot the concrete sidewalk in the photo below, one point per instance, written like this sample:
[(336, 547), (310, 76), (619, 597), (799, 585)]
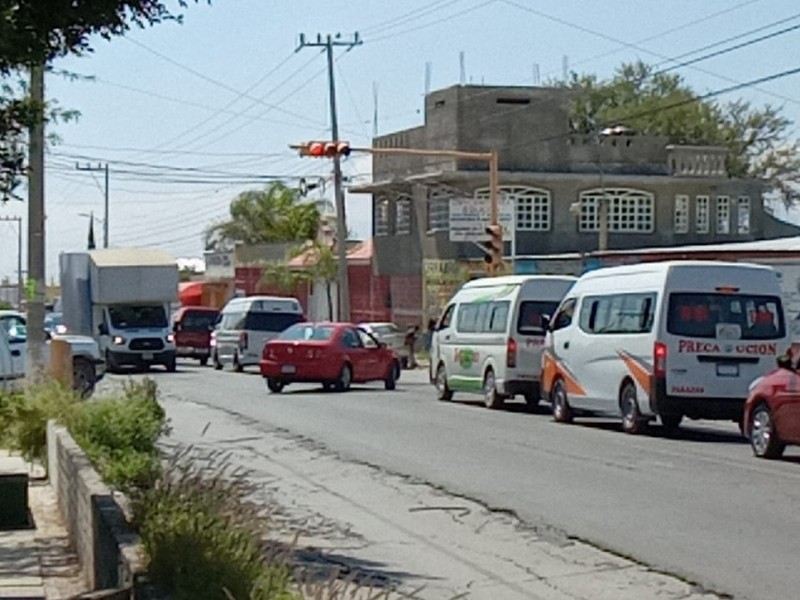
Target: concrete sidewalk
[(38, 563)]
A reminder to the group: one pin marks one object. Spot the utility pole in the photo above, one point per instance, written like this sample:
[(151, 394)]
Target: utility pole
[(36, 282), (103, 168), (329, 42), (20, 284)]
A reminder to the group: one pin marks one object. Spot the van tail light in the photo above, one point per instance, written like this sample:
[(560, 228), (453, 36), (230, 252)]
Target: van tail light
[(511, 353), (660, 359), (242, 340)]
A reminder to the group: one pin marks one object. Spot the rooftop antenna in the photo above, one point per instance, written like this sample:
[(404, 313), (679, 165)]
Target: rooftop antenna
[(462, 64), (536, 75), (428, 68), (375, 109), (565, 68)]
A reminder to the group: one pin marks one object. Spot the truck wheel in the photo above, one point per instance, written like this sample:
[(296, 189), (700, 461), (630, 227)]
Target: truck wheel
[(217, 364), (204, 361), (171, 365), (84, 377), (111, 365)]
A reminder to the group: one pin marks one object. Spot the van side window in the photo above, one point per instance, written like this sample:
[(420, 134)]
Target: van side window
[(498, 317), (467, 321), (531, 313), (447, 317), (564, 315), (618, 313)]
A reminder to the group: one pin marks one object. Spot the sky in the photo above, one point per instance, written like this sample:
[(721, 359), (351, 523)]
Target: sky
[(189, 115)]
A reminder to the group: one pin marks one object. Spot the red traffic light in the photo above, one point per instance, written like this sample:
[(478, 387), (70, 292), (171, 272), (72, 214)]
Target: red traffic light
[(324, 149)]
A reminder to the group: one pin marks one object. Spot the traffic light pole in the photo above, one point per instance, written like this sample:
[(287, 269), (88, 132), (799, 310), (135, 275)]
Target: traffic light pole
[(343, 281), (490, 157)]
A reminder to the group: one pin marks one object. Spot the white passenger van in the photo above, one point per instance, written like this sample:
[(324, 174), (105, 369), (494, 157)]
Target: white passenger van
[(490, 337), (246, 324), (665, 339)]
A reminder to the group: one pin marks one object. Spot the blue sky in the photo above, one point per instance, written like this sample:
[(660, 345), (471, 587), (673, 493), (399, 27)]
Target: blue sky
[(225, 93)]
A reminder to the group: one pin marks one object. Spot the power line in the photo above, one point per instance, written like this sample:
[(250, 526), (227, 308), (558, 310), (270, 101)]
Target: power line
[(409, 16), (432, 23)]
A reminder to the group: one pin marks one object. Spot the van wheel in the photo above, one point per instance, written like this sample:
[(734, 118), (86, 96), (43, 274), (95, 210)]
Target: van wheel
[(275, 386), (491, 398), (763, 437), (532, 398), (632, 420), (443, 391), (671, 423), (238, 368), (562, 412)]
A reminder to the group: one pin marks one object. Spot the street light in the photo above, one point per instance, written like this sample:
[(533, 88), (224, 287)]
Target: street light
[(613, 131)]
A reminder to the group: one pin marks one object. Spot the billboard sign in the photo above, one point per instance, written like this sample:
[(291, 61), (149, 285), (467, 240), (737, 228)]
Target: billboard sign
[(469, 218)]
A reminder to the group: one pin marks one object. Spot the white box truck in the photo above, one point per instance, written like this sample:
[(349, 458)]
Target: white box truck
[(122, 298)]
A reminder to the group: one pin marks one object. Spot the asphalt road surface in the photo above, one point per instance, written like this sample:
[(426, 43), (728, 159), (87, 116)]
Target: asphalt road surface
[(699, 505)]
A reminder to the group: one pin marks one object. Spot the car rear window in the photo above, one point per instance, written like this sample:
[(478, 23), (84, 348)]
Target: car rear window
[(530, 316), (731, 316), (304, 331), (198, 320), (272, 322)]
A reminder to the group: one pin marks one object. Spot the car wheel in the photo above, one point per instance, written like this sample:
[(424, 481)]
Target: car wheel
[(562, 412), (237, 367), (671, 423), (275, 386), (217, 364), (763, 437), (328, 386), (345, 379), (204, 361), (632, 420), (397, 370), (84, 377), (443, 391), (491, 398), (404, 362), (390, 382)]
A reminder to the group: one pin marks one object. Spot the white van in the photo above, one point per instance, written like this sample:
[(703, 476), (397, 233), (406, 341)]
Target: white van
[(490, 337), (669, 339), (246, 324)]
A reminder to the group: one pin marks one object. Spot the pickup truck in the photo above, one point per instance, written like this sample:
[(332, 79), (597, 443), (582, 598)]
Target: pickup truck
[(88, 367)]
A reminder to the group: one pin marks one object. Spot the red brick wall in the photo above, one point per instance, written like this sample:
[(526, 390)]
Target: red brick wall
[(368, 295), (406, 295)]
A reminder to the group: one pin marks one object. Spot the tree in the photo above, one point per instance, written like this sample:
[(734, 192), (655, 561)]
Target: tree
[(34, 32), (658, 103), (272, 215)]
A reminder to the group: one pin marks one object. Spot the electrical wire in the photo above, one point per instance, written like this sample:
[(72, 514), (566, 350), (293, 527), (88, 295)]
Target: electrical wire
[(432, 23)]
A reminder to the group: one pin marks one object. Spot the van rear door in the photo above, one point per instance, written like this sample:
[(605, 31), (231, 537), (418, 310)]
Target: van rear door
[(718, 342)]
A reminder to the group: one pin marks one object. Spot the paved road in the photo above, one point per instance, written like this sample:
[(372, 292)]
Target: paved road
[(700, 506)]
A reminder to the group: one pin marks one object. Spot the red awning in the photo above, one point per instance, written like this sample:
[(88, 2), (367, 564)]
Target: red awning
[(190, 293)]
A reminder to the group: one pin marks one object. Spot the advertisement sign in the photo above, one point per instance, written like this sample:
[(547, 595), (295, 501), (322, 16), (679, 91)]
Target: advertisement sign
[(219, 265), (469, 218)]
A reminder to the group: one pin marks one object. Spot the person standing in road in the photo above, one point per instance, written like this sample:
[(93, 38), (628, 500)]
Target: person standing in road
[(410, 342)]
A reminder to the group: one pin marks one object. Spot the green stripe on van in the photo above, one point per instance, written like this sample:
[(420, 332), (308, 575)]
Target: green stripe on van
[(495, 294), (465, 384)]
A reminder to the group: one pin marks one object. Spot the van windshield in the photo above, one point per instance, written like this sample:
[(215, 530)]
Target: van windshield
[(530, 316), (273, 322), (134, 317), (732, 316)]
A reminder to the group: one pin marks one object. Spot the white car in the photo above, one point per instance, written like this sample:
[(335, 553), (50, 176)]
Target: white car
[(391, 335), (88, 368)]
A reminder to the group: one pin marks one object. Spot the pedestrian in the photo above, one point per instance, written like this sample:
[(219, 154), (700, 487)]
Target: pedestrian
[(429, 334), (411, 342)]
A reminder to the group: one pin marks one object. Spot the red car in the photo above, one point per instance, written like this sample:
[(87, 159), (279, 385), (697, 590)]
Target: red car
[(192, 326), (333, 354), (772, 411)]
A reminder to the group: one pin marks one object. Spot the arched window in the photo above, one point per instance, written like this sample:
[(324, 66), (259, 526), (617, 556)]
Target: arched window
[(532, 206), (382, 217), (629, 211), (402, 224)]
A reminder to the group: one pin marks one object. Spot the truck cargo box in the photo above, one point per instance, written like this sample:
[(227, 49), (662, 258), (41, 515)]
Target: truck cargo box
[(132, 276)]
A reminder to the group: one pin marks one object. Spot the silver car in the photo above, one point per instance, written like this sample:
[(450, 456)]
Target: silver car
[(391, 335)]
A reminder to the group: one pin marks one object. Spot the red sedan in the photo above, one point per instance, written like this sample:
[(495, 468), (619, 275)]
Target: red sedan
[(333, 354), (772, 411)]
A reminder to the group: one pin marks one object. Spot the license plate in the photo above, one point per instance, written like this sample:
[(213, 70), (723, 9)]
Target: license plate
[(148, 356), (727, 370), (288, 369)]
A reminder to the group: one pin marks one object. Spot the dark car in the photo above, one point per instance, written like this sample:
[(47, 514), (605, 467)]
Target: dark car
[(192, 326), (772, 411), (333, 354)]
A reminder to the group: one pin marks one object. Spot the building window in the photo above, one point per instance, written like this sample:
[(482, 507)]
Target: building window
[(403, 216), (743, 215), (438, 211), (723, 214), (701, 215), (629, 211), (382, 217), (681, 214), (531, 206)]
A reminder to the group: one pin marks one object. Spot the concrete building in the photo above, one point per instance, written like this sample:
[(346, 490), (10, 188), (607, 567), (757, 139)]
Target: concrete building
[(657, 194)]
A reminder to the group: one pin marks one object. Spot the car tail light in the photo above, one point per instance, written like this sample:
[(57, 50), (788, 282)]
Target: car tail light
[(511, 353), (243, 340), (659, 359)]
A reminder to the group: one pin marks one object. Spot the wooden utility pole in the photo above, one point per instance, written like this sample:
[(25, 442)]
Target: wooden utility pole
[(343, 283), (36, 247)]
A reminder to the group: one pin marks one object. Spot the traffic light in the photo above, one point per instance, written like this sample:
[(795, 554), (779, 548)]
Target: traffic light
[(323, 149), (494, 249)]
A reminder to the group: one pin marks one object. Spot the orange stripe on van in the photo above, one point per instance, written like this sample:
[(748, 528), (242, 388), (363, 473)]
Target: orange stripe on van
[(640, 373), (553, 369)]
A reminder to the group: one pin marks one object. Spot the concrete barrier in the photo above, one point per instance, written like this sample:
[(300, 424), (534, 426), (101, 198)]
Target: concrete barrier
[(106, 545)]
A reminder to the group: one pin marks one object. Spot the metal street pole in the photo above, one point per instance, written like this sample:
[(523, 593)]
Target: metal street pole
[(36, 243), (103, 168)]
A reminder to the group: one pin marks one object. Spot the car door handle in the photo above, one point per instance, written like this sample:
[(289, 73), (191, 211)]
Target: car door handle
[(566, 345), (16, 353), (447, 338)]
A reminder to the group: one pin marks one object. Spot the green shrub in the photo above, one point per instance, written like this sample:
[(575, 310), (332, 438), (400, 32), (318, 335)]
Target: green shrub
[(204, 539), (24, 416), (119, 435)]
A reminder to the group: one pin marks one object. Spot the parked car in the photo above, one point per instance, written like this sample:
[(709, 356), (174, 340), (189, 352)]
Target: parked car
[(333, 354), (54, 323), (772, 411), (192, 326), (391, 335)]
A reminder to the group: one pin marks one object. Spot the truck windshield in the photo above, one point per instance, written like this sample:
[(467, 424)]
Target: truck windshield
[(746, 317), (134, 317)]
